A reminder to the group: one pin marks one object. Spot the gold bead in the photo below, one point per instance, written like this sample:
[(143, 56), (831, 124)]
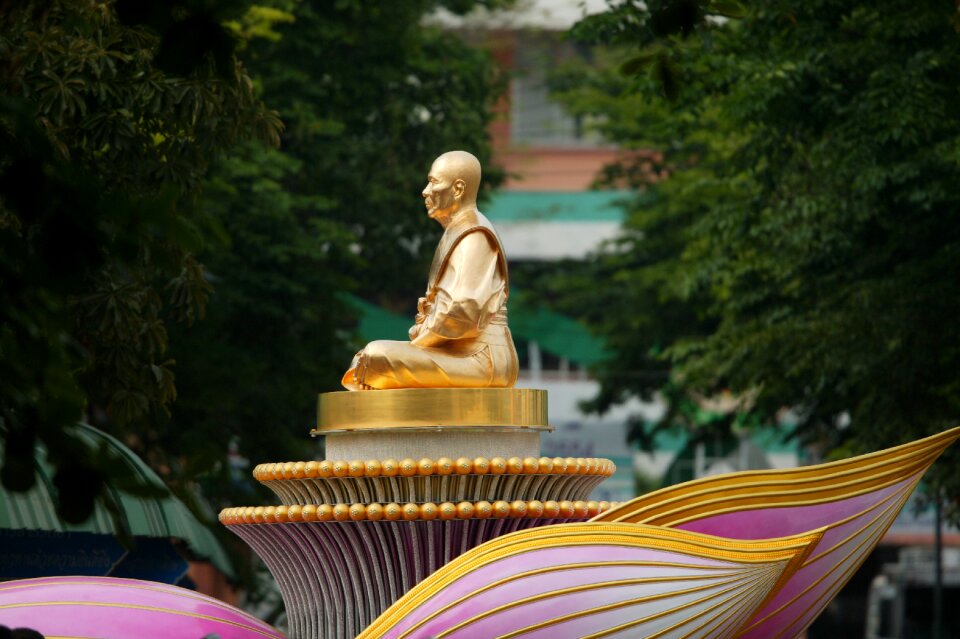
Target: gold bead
[(534, 509), (293, 512), (483, 509), (444, 466), (341, 512), (604, 506), (546, 465), (551, 509), (340, 468), (324, 512), (463, 465), (276, 471), (531, 465), (374, 512), (571, 465), (593, 508), (426, 466), (582, 467), (408, 467), (566, 509), (515, 465), (501, 509), (448, 510), (268, 517), (429, 511), (389, 468), (559, 465), (308, 512), (373, 468), (611, 467), (498, 466), (358, 512), (248, 514), (310, 469), (481, 465), (518, 508), (465, 510), (355, 468), (580, 509), (280, 514), (258, 514), (256, 471), (411, 511), (325, 468), (392, 512), (298, 469), (288, 470)]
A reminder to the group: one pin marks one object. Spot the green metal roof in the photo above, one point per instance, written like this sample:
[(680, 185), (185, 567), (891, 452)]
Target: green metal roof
[(555, 333), (377, 322), (557, 206), (164, 516)]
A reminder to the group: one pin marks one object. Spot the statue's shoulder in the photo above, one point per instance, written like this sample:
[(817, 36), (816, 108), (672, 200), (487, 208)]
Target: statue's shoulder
[(469, 222), (476, 222)]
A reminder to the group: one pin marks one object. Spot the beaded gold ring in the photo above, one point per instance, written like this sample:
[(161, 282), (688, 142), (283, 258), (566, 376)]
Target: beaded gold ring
[(413, 512), (426, 467)]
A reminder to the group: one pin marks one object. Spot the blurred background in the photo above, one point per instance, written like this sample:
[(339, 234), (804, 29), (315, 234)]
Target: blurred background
[(732, 230)]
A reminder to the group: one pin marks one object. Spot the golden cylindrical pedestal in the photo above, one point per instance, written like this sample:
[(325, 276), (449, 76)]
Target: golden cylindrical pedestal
[(503, 408)]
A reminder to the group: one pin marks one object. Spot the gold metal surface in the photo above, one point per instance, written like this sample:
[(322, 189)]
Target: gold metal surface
[(431, 408), (459, 338), (427, 511), (442, 466)]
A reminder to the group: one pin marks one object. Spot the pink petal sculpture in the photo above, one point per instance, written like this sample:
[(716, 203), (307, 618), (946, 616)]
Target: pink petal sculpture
[(593, 580), (855, 500), (109, 608)]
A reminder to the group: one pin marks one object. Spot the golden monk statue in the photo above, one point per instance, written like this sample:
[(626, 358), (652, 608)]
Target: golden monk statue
[(460, 336)]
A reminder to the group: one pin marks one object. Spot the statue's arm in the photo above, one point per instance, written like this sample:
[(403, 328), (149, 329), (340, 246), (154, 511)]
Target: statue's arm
[(468, 294)]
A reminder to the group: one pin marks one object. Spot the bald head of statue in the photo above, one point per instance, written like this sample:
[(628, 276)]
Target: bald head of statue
[(452, 185)]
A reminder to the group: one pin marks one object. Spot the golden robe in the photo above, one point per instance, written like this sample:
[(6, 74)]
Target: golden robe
[(460, 338)]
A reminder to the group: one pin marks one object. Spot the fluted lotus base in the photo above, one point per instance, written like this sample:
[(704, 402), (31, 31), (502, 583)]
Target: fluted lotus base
[(337, 577)]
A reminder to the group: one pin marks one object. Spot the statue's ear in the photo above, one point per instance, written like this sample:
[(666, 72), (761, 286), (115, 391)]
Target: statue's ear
[(459, 187)]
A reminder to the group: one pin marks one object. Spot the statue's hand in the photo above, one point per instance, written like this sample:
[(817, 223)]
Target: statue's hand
[(423, 310)]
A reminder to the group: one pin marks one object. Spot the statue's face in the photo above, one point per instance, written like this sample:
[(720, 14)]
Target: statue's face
[(442, 194)]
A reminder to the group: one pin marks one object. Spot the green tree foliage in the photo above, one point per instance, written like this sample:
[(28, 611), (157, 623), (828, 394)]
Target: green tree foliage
[(107, 130), (799, 222), (144, 236), (274, 331), (336, 208), (370, 96)]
